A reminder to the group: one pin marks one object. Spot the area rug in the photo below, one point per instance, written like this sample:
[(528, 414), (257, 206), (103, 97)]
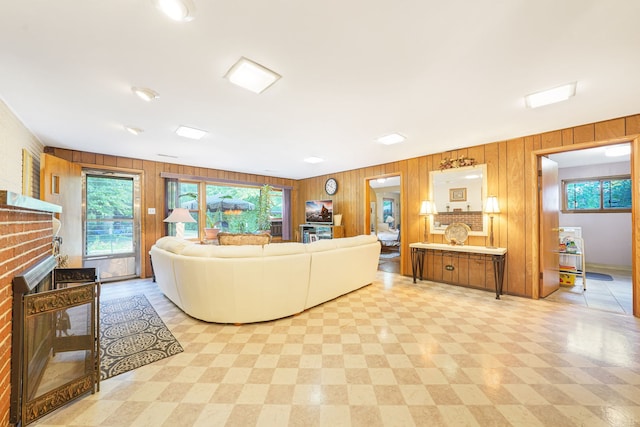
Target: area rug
[(599, 276), (132, 335)]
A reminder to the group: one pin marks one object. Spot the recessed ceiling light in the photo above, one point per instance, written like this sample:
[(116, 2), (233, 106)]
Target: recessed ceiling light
[(550, 96), (618, 150), (189, 132), (381, 180), (393, 138), (314, 160), (178, 10), (251, 76), (133, 130), (145, 93)]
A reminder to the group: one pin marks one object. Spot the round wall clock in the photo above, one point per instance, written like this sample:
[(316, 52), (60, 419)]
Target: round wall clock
[(331, 186)]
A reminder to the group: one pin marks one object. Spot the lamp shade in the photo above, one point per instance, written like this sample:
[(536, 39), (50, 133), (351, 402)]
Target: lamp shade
[(427, 207), (389, 219), (492, 205), (180, 215)]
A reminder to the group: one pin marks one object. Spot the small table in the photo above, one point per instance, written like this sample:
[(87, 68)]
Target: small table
[(497, 255)]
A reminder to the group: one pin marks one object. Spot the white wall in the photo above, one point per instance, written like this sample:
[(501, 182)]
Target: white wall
[(13, 138), (607, 236)]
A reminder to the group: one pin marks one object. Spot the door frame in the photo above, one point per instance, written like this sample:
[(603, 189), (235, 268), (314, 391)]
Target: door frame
[(634, 141), (138, 179), (403, 214)]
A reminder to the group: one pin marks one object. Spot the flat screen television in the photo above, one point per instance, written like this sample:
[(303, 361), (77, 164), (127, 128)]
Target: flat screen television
[(319, 212)]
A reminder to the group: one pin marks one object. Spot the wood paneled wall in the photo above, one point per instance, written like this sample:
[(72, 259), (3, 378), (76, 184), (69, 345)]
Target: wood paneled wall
[(511, 177), (153, 187)]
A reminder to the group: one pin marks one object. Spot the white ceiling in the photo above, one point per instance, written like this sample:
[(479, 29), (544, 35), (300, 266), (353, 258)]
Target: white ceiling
[(587, 157), (446, 74)]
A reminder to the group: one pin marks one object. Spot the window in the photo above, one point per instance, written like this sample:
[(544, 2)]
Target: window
[(600, 194), (109, 215), (228, 207)]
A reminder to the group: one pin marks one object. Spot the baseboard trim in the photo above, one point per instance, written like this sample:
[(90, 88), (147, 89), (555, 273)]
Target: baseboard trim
[(608, 267)]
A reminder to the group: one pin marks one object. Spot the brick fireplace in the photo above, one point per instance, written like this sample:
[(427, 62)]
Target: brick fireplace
[(26, 234)]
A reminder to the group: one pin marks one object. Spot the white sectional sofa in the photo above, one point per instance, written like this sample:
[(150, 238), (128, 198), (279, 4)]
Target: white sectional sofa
[(253, 283)]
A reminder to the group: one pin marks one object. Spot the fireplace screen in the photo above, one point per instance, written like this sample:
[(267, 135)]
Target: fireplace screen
[(59, 347)]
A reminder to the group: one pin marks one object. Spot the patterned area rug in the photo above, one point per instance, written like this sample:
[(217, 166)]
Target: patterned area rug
[(132, 335)]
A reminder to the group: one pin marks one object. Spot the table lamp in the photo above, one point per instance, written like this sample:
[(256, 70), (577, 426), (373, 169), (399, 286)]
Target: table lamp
[(427, 208), (389, 220), (491, 208), (179, 216)]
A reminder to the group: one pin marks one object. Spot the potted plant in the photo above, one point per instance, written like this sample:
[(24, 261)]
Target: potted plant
[(263, 216), (210, 231)]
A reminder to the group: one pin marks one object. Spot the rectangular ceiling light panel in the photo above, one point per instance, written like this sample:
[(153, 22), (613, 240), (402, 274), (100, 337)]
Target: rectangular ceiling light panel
[(551, 96), (251, 75), (191, 133)]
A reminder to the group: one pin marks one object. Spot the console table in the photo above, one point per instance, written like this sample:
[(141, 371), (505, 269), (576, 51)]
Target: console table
[(459, 265)]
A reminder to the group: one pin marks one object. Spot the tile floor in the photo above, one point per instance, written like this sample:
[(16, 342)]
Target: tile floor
[(390, 354), (615, 296)]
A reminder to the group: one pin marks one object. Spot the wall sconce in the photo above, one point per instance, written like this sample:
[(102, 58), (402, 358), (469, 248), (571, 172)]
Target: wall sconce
[(179, 216), (427, 208), (491, 208)]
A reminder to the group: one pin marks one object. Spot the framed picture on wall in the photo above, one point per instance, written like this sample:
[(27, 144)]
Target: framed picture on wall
[(457, 194)]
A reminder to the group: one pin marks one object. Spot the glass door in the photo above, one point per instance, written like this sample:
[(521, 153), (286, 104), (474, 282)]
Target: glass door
[(111, 224)]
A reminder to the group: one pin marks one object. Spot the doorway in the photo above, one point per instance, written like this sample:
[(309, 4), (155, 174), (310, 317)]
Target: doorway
[(111, 223), (385, 219), (602, 227)]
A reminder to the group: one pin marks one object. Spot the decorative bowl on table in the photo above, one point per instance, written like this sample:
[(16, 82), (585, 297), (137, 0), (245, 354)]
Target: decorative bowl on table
[(457, 233)]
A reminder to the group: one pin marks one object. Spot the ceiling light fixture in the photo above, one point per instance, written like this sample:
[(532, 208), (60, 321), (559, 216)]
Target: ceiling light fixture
[(133, 130), (178, 10), (145, 93), (393, 138), (314, 160), (251, 76), (189, 132), (550, 96), (381, 180), (618, 150)]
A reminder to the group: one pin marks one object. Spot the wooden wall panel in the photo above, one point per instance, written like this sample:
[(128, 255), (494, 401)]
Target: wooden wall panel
[(516, 213), (511, 177), (585, 133), (531, 144), (632, 125), (609, 129)]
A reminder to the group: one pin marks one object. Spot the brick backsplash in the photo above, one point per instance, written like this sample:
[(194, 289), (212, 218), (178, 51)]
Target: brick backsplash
[(472, 218), (25, 239)]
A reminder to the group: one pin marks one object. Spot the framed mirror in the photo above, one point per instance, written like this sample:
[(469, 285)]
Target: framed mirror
[(459, 195)]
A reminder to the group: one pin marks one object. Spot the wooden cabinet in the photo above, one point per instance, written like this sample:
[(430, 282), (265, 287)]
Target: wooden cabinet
[(312, 232)]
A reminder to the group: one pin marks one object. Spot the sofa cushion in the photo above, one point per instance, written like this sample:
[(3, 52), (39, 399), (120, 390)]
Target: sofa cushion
[(244, 239), (215, 251), (173, 244), (363, 239), (287, 248), (322, 245)]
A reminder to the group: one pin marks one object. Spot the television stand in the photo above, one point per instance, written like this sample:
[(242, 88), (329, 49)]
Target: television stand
[(312, 232)]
